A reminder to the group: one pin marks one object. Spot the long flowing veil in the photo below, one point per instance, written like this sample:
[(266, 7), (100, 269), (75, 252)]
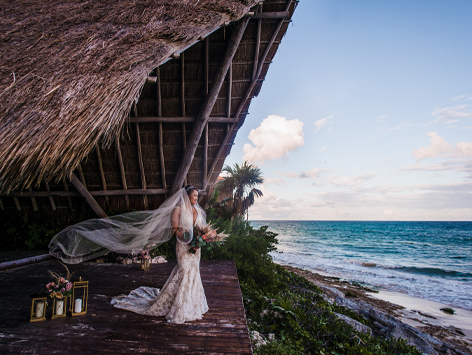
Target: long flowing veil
[(125, 233)]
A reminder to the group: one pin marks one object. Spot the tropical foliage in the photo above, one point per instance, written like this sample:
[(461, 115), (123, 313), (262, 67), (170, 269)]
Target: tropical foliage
[(240, 183)]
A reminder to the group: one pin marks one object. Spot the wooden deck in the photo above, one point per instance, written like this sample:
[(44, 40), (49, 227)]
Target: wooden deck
[(108, 330)]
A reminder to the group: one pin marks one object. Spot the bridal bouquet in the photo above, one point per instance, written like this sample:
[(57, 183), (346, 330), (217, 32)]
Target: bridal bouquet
[(205, 238), (144, 255)]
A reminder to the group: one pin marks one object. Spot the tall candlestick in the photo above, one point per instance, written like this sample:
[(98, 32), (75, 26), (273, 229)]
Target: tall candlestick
[(39, 309), (78, 305), (59, 307)]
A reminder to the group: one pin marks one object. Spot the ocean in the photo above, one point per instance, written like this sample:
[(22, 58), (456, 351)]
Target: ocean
[(430, 260)]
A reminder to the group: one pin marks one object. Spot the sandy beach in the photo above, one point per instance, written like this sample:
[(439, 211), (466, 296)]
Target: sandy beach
[(424, 315)]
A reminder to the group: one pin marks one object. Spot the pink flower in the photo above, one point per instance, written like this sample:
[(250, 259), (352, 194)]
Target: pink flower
[(52, 284), (63, 289), (49, 290), (68, 286), (48, 286), (62, 280)]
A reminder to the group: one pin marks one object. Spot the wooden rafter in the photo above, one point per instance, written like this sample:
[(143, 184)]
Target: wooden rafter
[(69, 200), (246, 96), (208, 105), (17, 204), (2, 207), (102, 173), (272, 15), (33, 200), (182, 83), (159, 95), (258, 45), (81, 174), (161, 156), (205, 155), (179, 119), (140, 157), (87, 196), (122, 171), (207, 64), (230, 87), (51, 200), (184, 140)]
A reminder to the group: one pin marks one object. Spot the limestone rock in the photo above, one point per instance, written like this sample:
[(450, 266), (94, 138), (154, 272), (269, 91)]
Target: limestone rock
[(358, 326)]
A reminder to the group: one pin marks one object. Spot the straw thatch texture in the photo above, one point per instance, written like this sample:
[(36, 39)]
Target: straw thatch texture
[(70, 71)]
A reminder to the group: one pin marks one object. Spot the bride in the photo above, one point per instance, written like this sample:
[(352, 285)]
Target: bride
[(182, 298)]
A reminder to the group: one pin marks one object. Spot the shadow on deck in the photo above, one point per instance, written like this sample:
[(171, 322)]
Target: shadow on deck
[(108, 330)]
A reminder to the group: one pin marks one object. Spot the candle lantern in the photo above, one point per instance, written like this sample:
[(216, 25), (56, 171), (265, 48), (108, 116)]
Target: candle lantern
[(145, 264), (59, 308), (78, 301), (38, 308)]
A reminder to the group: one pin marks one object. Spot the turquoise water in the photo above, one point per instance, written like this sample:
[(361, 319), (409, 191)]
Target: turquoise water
[(431, 260)]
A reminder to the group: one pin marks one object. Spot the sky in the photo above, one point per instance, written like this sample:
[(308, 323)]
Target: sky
[(366, 114)]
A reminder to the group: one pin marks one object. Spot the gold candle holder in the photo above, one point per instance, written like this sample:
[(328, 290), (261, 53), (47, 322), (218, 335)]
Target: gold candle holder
[(79, 299), (146, 264), (59, 311), (38, 308)]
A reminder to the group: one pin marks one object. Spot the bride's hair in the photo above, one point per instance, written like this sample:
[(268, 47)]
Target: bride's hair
[(189, 189)]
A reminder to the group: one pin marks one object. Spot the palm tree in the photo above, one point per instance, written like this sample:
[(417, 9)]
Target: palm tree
[(240, 184)]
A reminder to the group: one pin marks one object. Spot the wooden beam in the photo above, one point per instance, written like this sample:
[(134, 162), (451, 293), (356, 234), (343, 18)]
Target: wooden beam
[(69, 201), (248, 92), (182, 84), (184, 140), (230, 86), (208, 105), (17, 204), (33, 200), (159, 95), (272, 15), (88, 197), (207, 64), (140, 156), (144, 192), (102, 174), (178, 119), (81, 174), (51, 200), (205, 156), (2, 207), (258, 45), (122, 170), (161, 156)]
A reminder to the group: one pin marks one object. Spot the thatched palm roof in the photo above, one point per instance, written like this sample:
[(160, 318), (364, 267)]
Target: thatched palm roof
[(128, 99), (70, 71)]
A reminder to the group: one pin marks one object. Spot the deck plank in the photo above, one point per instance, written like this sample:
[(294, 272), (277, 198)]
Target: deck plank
[(108, 330)]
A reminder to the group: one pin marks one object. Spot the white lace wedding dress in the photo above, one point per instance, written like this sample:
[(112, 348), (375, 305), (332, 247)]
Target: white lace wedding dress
[(182, 299)]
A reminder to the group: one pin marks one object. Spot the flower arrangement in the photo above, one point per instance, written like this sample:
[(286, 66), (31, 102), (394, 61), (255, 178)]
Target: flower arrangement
[(144, 255), (205, 238), (61, 286)]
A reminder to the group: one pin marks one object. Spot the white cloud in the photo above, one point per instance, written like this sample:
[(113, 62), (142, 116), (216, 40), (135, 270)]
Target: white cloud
[(463, 150), (438, 147), (322, 122), (460, 97), (313, 173), (275, 181), (401, 125), (324, 148), (273, 139), (353, 182), (451, 114)]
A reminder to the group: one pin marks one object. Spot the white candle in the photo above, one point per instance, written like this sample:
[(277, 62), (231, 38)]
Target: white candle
[(39, 309), (59, 307), (78, 305)]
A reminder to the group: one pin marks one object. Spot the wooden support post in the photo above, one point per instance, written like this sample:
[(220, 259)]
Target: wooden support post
[(81, 174), (122, 170), (230, 86), (208, 105), (207, 64), (102, 174), (17, 203), (2, 207), (184, 140), (246, 96), (161, 157), (51, 200), (87, 196), (69, 200), (33, 200), (182, 83), (140, 157), (159, 99), (205, 156), (258, 45)]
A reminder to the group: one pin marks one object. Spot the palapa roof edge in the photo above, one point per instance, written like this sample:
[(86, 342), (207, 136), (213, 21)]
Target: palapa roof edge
[(70, 72)]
